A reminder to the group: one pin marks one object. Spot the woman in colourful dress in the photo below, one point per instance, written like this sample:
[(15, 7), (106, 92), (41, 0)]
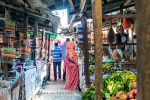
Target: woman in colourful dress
[(72, 71)]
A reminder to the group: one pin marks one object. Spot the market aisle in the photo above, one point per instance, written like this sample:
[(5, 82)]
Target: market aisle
[(52, 71), (55, 91)]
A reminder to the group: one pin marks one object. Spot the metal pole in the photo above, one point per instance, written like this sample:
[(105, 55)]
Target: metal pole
[(25, 26), (42, 41), (85, 49), (35, 28), (97, 8), (48, 59), (143, 47), (121, 19), (35, 37)]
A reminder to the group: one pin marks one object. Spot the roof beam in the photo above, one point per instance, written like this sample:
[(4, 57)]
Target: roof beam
[(40, 14), (127, 2), (30, 20), (29, 11), (90, 8), (116, 9), (27, 3), (119, 16), (71, 22), (111, 16), (83, 6), (112, 2)]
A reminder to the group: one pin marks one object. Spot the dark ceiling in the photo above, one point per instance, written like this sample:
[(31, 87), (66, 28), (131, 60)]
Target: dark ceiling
[(41, 9)]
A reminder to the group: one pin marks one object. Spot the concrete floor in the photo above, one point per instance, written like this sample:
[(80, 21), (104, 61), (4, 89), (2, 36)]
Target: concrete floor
[(55, 91)]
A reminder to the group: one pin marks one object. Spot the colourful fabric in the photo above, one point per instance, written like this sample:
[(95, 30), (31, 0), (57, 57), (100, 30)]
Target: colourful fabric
[(72, 73), (66, 62), (69, 46)]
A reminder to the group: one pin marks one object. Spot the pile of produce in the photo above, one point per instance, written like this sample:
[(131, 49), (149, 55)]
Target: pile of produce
[(108, 66), (92, 69), (118, 81), (132, 95), (89, 94), (118, 86), (121, 95)]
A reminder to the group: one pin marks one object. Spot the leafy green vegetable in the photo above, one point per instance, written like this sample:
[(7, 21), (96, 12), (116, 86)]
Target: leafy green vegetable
[(110, 87), (89, 94), (107, 96), (118, 81)]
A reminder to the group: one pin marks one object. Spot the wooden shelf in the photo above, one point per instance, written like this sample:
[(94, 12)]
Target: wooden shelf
[(119, 44), (4, 44)]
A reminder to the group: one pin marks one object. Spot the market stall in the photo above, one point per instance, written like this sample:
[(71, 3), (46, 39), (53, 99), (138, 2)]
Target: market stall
[(23, 57), (117, 47)]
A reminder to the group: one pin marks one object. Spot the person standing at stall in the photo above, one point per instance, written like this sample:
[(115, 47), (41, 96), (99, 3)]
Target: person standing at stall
[(56, 53), (64, 49), (72, 71)]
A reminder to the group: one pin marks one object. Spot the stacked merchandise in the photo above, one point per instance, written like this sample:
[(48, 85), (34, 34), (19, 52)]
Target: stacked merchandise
[(32, 44), (79, 31), (38, 45), (8, 52), (25, 45), (1, 35), (13, 57), (9, 29)]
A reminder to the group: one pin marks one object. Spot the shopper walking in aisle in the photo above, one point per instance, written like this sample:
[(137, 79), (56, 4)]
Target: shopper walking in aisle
[(64, 49), (72, 71), (56, 53)]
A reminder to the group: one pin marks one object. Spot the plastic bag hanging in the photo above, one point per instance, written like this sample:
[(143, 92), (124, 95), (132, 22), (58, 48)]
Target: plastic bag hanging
[(126, 23)]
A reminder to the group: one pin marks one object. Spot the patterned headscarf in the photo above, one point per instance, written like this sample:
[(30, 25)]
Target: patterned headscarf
[(70, 47)]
